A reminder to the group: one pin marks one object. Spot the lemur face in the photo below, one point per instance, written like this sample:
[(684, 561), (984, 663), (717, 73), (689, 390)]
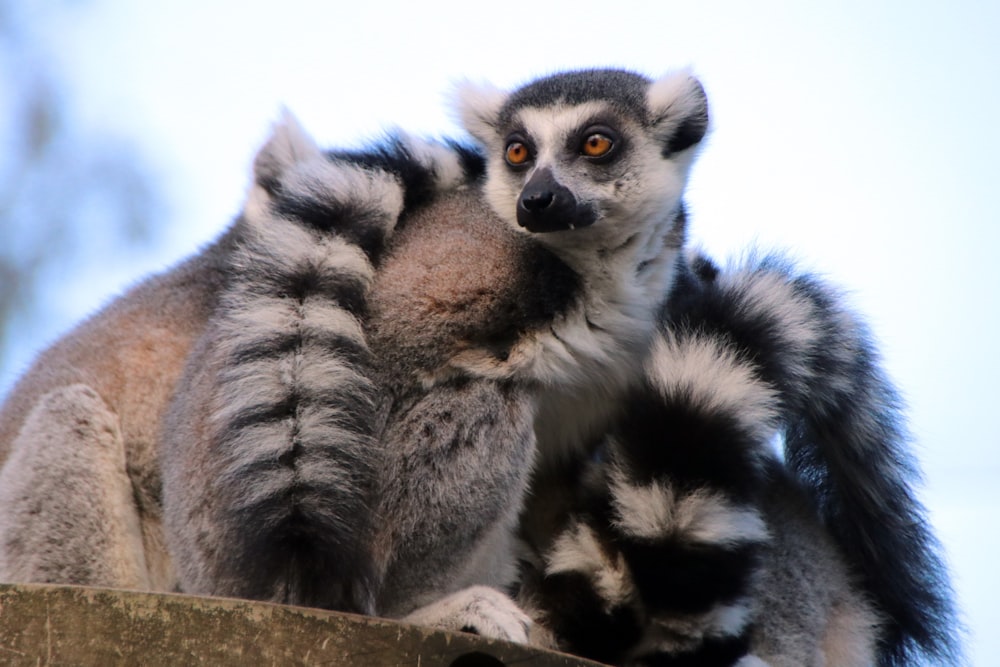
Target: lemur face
[(587, 154), (563, 165)]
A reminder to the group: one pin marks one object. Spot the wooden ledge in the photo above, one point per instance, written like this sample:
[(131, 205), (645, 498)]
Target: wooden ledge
[(73, 625)]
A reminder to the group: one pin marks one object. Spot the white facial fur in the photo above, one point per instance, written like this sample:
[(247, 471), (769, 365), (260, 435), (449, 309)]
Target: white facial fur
[(625, 258), (637, 192)]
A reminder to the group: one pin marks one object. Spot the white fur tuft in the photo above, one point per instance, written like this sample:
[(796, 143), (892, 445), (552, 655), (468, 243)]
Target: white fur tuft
[(676, 92), (477, 106), (438, 158), (677, 100), (705, 372), (578, 550), (657, 511), (289, 144), (292, 159)]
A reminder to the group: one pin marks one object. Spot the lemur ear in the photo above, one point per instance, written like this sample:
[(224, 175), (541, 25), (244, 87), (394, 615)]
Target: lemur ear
[(678, 108), (478, 107), (289, 144)]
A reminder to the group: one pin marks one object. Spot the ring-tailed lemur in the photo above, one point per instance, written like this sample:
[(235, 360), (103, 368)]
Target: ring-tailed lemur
[(601, 325), (551, 356), (81, 432), (688, 541), (309, 433), (577, 160), (262, 420)]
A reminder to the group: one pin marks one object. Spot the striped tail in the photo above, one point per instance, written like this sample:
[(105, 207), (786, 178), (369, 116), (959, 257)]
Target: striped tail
[(296, 410), (291, 435), (657, 561), (845, 437)]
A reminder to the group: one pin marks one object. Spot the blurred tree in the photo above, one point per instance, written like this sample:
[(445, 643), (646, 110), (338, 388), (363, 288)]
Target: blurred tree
[(60, 184)]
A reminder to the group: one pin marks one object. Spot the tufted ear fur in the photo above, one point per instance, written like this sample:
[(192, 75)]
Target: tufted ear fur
[(478, 106), (289, 144), (678, 107)]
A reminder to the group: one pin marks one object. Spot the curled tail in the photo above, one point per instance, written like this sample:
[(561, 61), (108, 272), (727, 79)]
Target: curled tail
[(845, 437), (656, 561)]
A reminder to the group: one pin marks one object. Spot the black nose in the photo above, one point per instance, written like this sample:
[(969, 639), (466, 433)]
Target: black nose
[(546, 205), (537, 200)]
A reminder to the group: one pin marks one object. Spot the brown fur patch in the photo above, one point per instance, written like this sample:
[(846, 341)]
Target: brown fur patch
[(456, 277)]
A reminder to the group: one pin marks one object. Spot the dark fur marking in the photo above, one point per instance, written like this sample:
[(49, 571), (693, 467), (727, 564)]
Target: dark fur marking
[(283, 343), (418, 182), (268, 281), (561, 286), (713, 652), (582, 625), (625, 91), (687, 446), (678, 576), (354, 224), (303, 560), (691, 131), (352, 412)]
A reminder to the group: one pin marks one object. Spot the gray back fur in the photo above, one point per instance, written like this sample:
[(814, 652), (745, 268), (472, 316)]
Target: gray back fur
[(458, 448)]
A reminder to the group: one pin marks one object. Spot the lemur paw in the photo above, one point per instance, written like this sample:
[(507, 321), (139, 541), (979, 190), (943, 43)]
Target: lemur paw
[(478, 609)]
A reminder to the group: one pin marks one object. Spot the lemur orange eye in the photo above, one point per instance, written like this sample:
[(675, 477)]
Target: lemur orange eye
[(517, 153), (597, 145)]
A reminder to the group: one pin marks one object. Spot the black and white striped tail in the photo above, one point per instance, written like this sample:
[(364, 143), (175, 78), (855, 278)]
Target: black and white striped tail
[(845, 436), (656, 564), (297, 400)]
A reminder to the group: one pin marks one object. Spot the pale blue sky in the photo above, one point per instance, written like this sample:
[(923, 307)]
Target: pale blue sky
[(861, 136)]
